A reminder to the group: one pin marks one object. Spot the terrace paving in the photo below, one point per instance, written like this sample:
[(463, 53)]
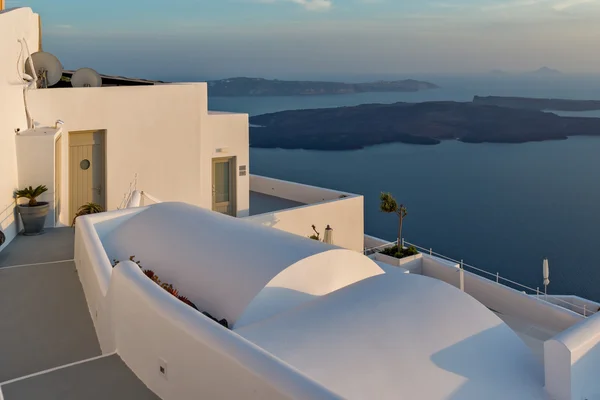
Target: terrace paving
[(48, 344)]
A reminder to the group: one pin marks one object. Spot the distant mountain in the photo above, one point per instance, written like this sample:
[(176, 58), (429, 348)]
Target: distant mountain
[(267, 87), (348, 128), (540, 104), (545, 71)]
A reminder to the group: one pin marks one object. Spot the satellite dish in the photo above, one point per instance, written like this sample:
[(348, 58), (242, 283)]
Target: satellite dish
[(47, 67), (86, 77)]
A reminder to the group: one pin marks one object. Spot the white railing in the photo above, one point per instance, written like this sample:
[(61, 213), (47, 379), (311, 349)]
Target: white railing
[(148, 196), (556, 300), (127, 195)]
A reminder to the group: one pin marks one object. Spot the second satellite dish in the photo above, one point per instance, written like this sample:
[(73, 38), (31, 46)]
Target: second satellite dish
[(47, 67), (86, 77)]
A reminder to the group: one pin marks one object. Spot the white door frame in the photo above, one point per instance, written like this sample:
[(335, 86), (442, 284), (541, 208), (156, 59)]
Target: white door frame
[(232, 207)]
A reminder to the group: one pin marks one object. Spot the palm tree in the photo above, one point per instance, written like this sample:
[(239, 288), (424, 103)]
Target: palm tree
[(390, 205), (31, 194)]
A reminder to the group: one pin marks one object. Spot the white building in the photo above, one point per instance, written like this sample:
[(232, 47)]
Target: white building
[(306, 319)]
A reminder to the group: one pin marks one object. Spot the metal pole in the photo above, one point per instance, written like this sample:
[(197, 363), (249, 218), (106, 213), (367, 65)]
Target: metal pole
[(462, 275), (537, 291), (430, 251), (497, 277), (402, 243)]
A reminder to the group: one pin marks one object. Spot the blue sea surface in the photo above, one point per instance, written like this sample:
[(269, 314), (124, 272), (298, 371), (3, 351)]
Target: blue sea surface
[(501, 207)]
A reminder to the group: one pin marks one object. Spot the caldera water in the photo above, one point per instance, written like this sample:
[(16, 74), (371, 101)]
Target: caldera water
[(501, 207)]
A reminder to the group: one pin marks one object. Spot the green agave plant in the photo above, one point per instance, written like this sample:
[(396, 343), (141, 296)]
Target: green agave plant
[(31, 194), (87, 209)]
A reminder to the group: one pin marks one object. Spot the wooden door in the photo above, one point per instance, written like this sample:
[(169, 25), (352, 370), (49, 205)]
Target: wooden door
[(86, 170)]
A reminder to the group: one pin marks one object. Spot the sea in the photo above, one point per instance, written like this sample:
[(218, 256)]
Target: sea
[(500, 207)]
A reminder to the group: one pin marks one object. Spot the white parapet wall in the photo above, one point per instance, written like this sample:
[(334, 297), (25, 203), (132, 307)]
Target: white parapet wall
[(344, 212), (299, 192), (501, 298), (202, 359), (15, 25), (571, 361), (149, 328)]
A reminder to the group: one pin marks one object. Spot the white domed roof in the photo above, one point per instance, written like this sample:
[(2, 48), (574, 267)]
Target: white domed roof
[(222, 263), (403, 336)]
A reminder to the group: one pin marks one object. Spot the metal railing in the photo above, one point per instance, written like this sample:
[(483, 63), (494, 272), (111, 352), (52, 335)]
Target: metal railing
[(127, 195), (495, 277)]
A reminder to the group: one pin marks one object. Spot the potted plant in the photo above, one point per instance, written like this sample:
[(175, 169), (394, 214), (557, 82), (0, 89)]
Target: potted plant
[(390, 205), (87, 209), (33, 213)]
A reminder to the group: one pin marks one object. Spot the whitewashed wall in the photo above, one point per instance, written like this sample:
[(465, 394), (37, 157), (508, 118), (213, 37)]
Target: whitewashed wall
[(226, 135), (153, 131), (14, 24), (571, 362), (345, 216), (344, 212), (502, 298), (163, 133), (35, 164), (201, 356), (204, 360)]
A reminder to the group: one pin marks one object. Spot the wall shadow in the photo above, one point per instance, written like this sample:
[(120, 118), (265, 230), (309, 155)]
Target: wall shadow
[(496, 365), (270, 302)]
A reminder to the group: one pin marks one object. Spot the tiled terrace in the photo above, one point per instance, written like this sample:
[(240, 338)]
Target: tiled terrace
[(45, 328)]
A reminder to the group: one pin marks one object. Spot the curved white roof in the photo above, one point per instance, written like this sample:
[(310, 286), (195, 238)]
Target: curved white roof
[(222, 263), (403, 336)]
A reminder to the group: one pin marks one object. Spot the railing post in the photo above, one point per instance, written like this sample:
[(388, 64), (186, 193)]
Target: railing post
[(462, 275), (497, 277), (430, 251), (537, 292), (585, 310), (402, 242)]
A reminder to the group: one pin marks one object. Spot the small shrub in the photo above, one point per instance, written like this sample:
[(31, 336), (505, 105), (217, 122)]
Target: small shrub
[(400, 253), (316, 236), (87, 209), (188, 302)]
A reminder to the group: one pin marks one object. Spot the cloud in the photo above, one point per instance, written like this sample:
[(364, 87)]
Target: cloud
[(311, 5), (315, 5), (571, 3)]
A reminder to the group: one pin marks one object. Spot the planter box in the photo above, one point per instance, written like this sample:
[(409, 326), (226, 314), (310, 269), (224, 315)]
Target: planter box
[(414, 264)]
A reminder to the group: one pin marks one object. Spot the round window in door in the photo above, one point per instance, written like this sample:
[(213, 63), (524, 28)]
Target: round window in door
[(85, 164)]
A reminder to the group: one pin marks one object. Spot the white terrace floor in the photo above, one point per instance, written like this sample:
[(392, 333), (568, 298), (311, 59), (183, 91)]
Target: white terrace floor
[(48, 345)]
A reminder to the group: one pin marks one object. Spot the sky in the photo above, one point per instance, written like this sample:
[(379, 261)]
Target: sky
[(210, 39)]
